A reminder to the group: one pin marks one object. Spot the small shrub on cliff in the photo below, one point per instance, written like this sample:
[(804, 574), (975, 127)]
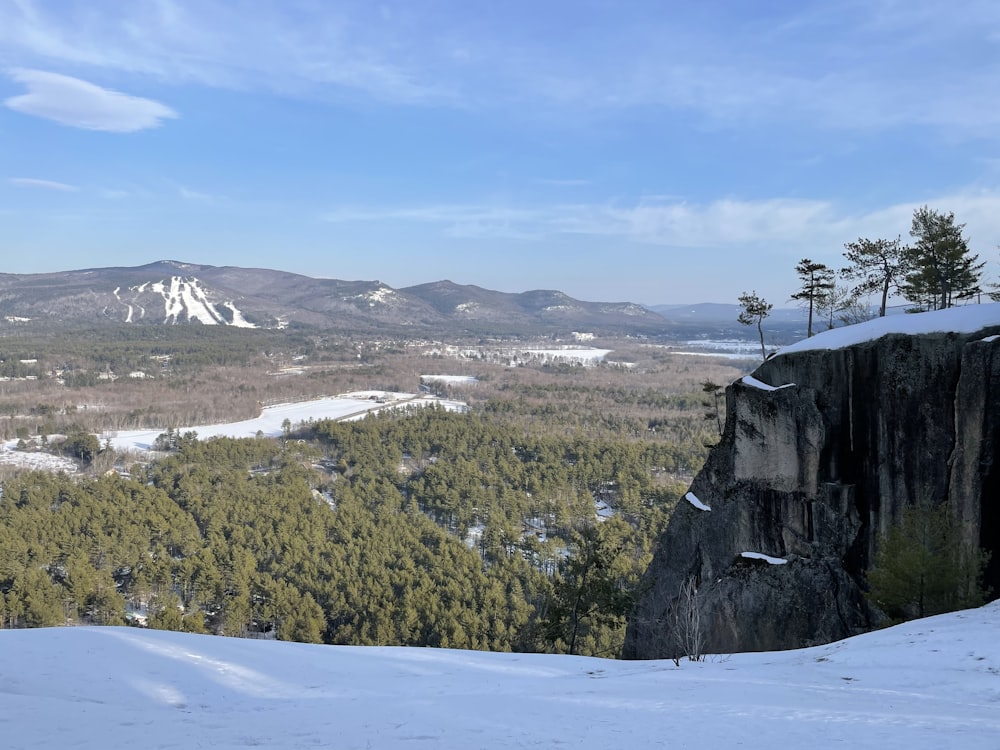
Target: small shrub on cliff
[(921, 567)]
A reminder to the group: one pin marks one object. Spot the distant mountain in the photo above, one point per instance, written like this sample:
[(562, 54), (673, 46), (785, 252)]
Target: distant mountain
[(172, 292)]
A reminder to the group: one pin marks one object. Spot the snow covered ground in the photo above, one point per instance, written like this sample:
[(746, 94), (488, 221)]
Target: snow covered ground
[(517, 357), (34, 461), (967, 319), (344, 407), (928, 684), (450, 379)]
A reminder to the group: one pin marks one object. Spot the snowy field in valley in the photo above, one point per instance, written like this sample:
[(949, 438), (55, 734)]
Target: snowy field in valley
[(34, 461), (924, 685), (450, 379), (722, 348), (346, 407), (518, 356)]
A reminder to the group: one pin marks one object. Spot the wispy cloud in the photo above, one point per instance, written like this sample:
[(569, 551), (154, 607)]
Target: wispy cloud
[(570, 182), (782, 225), (468, 221), (80, 104), (846, 64), (195, 195), (32, 182), (284, 47)]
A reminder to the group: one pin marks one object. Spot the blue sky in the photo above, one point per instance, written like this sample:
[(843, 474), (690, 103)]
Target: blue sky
[(654, 152)]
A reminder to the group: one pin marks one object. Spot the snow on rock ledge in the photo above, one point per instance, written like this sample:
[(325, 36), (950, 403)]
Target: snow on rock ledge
[(751, 381), (693, 499), (766, 558)]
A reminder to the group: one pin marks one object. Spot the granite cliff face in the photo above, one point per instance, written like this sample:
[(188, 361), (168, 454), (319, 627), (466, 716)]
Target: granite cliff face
[(823, 446)]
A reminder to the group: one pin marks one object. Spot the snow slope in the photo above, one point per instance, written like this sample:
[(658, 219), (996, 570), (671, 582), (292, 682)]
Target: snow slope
[(967, 319), (928, 684)]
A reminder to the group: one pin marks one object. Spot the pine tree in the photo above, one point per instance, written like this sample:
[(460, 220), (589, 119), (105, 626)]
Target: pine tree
[(753, 310), (921, 567), (878, 265), (817, 282), (941, 269)]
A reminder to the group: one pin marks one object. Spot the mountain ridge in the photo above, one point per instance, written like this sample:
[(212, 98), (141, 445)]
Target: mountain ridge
[(175, 292)]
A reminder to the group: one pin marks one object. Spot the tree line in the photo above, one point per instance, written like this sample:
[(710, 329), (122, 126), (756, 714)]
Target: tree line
[(936, 271), (432, 529)]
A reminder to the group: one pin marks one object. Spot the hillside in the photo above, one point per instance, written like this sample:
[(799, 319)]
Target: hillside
[(172, 292), (923, 685)]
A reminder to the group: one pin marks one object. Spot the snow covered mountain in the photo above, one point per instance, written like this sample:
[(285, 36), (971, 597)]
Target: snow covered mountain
[(924, 685), (171, 292)]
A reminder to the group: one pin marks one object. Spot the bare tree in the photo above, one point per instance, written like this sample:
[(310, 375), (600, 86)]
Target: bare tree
[(685, 623)]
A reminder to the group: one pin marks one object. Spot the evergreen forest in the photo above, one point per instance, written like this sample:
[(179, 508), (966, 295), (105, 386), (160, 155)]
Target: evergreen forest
[(524, 524)]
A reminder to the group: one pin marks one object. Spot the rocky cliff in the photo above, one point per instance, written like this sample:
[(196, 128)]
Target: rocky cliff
[(823, 446)]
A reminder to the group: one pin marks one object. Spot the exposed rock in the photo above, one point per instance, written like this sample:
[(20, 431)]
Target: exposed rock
[(821, 451)]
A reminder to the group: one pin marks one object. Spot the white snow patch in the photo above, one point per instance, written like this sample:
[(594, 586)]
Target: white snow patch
[(34, 460), (693, 499), (382, 295), (451, 379), (238, 320), (924, 685), (516, 357), (185, 299), (580, 355), (989, 339), (761, 385), (766, 558), (968, 319), (347, 406)]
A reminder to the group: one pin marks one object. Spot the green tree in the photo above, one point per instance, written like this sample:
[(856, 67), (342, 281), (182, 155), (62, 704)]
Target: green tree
[(877, 265), (165, 612), (922, 568), (941, 270), (594, 591), (817, 282), (81, 445), (40, 600), (753, 310)]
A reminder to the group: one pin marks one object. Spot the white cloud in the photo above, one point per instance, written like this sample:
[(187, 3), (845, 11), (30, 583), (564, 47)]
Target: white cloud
[(195, 195), (782, 226), (272, 46), (465, 221), (31, 182), (843, 65), (80, 104)]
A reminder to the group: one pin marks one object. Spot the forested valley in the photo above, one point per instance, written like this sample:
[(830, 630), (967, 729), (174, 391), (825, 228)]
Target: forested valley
[(523, 524)]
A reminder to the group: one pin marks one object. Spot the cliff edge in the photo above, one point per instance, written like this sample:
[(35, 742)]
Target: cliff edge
[(823, 446)]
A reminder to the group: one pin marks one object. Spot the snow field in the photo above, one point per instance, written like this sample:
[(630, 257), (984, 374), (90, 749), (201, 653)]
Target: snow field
[(927, 684)]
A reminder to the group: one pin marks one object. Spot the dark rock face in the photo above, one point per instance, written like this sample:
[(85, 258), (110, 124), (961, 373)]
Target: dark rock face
[(812, 473)]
